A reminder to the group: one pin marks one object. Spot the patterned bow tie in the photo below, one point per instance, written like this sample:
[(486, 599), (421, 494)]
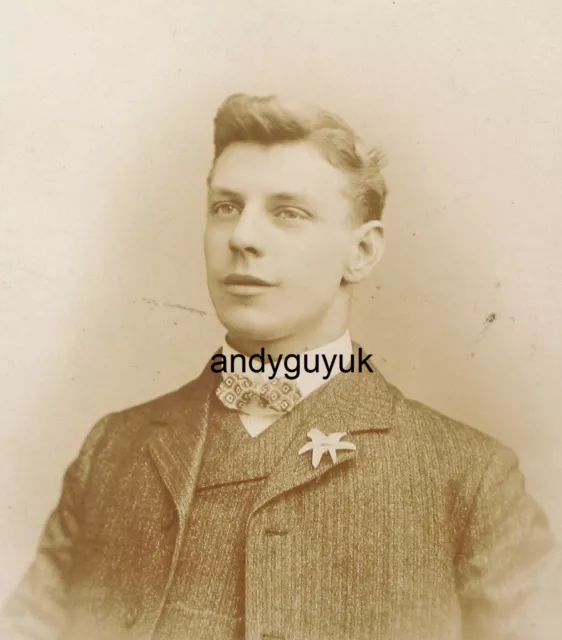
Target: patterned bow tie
[(238, 392)]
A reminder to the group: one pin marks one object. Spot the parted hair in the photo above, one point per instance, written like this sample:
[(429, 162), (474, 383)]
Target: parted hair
[(267, 120)]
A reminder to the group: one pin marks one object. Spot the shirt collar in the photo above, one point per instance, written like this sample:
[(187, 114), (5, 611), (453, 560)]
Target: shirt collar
[(307, 382)]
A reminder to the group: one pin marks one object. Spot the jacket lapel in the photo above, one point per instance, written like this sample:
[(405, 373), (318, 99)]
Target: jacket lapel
[(351, 403), (177, 444)]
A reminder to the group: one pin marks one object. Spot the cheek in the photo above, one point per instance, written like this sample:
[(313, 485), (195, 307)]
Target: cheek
[(207, 244), (215, 247), (319, 263)]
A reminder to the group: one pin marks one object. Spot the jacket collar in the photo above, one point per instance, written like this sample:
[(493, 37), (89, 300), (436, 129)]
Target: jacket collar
[(349, 403)]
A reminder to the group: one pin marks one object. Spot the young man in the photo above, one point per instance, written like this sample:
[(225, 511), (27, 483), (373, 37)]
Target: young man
[(261, 504)]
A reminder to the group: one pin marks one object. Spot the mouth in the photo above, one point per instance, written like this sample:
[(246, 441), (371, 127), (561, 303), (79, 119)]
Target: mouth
[(245, 284), (241, 279)]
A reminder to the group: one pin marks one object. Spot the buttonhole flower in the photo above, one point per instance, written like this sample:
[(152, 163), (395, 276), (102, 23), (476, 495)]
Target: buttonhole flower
[(320, 443)]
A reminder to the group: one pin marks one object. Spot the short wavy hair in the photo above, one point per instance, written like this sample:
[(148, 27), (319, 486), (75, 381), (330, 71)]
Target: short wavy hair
[(266, 120)]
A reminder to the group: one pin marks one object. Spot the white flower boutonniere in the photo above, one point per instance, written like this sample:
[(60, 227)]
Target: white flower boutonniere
[(320, 443)]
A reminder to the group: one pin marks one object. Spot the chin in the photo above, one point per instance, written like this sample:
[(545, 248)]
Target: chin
[(251, 324)]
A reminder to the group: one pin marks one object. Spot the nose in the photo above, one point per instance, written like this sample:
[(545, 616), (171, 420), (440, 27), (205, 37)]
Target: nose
[(247, 232)]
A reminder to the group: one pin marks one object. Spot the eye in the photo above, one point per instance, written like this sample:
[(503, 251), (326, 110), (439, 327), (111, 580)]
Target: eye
[(225, 209), (290, 213)]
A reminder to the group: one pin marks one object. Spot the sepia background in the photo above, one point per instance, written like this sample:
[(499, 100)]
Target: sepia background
[(105, 141)]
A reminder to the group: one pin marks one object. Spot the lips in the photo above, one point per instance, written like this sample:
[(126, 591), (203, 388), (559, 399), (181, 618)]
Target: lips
[(247, 280)]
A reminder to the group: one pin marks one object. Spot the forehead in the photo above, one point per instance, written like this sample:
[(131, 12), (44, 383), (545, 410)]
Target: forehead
[(296, 167)]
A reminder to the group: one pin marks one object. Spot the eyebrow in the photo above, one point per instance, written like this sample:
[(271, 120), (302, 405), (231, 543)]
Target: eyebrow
[(281, 196), (225, 193), (288, 196)]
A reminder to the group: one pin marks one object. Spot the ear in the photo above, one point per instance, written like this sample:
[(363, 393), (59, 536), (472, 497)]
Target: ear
[(366, 250)]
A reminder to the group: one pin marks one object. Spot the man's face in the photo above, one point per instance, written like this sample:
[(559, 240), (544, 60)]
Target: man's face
[(278, 214)]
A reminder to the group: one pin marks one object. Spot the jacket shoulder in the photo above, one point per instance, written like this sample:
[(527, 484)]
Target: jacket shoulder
[(131, 426), (451, 437)]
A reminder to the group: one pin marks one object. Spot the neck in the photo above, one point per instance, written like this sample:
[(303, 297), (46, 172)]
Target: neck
[(282, 346)]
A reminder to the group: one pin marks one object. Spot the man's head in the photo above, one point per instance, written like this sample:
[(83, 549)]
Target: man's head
[(295, 200)]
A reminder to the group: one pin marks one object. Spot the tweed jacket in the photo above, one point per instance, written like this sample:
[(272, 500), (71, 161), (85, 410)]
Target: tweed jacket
[(424, 532)]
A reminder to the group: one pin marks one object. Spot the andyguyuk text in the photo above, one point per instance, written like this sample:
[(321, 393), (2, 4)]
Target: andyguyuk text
[(293, 363)]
